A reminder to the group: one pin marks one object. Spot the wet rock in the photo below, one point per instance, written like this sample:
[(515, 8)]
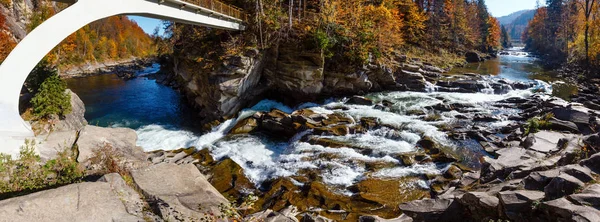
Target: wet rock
[(179, 192), (480, 206), (370, 122), (432, 210), (468, 179), (378, 190), (359, 100), (339, 130), (562, 185), (229, 179), (453, 173), (278, 123), (245, 126), (517, 205)]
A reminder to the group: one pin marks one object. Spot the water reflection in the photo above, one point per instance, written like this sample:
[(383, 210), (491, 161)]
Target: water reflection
[(112, 101), (515, 64)]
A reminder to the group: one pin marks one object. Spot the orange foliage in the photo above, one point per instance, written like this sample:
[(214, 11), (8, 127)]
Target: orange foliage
[(493, 38), (6, 41)]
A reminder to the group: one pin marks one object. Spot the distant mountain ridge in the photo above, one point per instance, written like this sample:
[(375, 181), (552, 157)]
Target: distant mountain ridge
[(517, 22), (507, 19)]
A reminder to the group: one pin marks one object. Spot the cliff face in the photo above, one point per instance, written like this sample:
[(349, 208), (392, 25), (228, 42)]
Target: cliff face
[(287, 74), (17, 17), (224, 91)]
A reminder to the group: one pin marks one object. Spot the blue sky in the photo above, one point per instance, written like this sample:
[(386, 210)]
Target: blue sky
[(498, 8), (147, 24)]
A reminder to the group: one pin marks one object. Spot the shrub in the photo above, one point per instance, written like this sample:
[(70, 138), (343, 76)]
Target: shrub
[(40, 73), (28, 173), (51, 99)]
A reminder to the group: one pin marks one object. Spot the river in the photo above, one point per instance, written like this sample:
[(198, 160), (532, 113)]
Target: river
[(162, 121)]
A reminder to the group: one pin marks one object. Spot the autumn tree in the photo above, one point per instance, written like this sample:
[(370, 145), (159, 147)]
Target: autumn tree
[(6, 40), (587, 6)]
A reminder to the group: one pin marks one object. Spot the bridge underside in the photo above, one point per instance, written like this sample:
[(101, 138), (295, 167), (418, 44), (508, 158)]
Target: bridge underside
[(32, 49)]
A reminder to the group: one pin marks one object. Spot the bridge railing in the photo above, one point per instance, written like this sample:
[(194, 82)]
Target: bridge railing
[(220, 7)]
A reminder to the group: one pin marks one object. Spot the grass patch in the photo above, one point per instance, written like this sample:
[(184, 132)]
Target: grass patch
[(442, 58), (537, 123)]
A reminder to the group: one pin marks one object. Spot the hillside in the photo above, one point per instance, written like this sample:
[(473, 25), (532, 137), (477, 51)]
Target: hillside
[(508, 19), (519, 24)]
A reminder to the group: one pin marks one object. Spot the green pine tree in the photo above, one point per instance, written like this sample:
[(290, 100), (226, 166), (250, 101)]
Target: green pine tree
[(51, 98)]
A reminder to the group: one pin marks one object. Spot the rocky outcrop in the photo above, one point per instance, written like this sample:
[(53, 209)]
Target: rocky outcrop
[(180, 192), (74, 120), (224, 90), (88, 201), (298, 75)]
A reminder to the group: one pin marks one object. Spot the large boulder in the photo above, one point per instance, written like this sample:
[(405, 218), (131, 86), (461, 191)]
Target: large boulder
[(74, 120), (473, 57), (180, 192), (48, 146), (121, 140), (564, 210), (480, 206), (518, 204), (562, 185), (89, 201)]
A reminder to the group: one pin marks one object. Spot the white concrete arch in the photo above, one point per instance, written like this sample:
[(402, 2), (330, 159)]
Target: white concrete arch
[(32, 49)]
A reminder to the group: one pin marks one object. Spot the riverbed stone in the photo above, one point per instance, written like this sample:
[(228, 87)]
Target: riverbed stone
[(179, 192), (562, 185), (359, 100), (432, 210), (540, 179), (480, 206), (564, 210), (517, 205)]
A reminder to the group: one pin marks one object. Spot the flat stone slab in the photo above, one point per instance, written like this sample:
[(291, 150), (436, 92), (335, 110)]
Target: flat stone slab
[(547, 141), (179, 191), (76, 202)]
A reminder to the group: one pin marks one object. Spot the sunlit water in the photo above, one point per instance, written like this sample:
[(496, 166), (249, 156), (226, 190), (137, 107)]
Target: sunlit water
[(162, 119)]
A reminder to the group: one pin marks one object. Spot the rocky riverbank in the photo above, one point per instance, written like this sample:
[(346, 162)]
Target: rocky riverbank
[(457, 147), (123, 68)]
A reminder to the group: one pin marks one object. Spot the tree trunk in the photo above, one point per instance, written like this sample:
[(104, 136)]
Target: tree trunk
[(291, 12)]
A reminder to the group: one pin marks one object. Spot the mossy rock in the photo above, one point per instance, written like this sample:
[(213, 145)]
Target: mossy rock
[(229, 179), (204, 157), (390, 193)]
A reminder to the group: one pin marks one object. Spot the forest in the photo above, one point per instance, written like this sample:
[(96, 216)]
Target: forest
[(566, 31), (113, 38), (354, 31)]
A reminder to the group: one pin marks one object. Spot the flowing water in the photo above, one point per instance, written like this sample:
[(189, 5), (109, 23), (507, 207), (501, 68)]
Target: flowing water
[(161, 120)]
